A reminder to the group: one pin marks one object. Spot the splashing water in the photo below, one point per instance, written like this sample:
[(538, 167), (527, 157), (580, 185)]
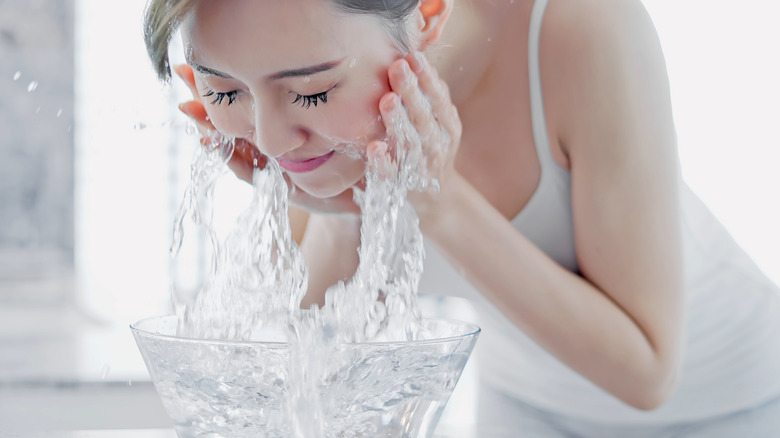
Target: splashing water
[(380, 302), (257, 276)]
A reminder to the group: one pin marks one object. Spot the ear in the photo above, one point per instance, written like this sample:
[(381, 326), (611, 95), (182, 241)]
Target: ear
[(432, 16)]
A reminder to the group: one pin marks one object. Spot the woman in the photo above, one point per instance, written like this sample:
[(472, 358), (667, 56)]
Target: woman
[(612, 302)]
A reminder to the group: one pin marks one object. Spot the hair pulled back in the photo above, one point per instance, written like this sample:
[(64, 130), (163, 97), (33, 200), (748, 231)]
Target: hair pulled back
[(163, 17)]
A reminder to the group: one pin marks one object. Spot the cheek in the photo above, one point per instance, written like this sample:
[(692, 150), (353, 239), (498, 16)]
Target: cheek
[(358, 117), (231, 121)]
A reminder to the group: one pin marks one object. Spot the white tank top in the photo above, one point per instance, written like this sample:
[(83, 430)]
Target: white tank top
[(732, 355)]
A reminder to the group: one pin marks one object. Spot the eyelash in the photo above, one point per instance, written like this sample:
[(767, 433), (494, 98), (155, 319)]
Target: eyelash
[(219, 97), (306, 101)]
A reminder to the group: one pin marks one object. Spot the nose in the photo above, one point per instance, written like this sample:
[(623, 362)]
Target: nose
[(275, 133)]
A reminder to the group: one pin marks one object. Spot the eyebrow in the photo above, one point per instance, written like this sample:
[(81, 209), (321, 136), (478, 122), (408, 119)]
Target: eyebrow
[(209, 71), (306, 71)]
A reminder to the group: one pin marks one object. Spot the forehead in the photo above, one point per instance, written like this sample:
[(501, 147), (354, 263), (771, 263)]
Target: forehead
[(230, 34)]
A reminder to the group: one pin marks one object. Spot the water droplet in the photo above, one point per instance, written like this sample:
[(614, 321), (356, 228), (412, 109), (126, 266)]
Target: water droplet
[(104, 371), (208, 118), (490, 39), (59, 112), (17, 75), (37, 110), (70, 128), (352, 62), (139, 126), (32, 86), (460, 68), (511, 1), (129, 383), (306, 79)]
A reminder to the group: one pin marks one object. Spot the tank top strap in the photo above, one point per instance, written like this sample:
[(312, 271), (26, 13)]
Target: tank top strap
[(538, 121)]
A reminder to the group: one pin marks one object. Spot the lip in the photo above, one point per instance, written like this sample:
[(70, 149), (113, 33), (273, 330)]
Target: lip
[(307, 165)]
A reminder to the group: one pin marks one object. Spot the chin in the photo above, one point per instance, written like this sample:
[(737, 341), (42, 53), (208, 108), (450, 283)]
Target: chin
[(323, 192), (324, 189), (330, 181)]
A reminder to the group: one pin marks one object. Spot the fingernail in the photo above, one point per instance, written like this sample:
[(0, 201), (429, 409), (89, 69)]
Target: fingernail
[(390, 103)]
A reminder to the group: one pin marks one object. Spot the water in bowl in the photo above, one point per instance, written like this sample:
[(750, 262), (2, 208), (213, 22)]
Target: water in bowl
[(241, 388)]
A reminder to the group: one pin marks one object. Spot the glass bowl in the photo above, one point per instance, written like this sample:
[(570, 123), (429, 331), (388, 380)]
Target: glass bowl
[(213, 388)]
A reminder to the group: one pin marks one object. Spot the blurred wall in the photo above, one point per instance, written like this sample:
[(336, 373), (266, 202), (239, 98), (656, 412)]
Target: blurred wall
[(36, 150)]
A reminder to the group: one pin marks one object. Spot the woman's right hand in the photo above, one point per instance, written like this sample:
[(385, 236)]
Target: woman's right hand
[(246, 157)]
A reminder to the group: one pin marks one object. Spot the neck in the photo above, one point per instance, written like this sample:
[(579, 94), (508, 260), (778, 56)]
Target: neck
[(468, 45)]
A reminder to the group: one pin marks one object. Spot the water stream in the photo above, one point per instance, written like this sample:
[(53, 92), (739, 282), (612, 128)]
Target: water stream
[(257, 276)]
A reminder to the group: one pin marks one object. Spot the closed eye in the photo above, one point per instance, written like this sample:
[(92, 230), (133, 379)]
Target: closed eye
[(219, 97), (307, 101)]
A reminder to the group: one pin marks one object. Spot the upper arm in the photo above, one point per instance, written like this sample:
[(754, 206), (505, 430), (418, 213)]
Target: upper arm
[(611, 110)]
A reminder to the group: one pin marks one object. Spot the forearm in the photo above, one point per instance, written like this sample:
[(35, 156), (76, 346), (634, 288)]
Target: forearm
[(563, 312), (329, 247)]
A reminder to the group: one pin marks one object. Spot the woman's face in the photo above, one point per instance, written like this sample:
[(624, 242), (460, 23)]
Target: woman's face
[(298, 79)]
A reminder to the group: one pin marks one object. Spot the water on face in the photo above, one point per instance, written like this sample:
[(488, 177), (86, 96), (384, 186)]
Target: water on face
[(256, 280)]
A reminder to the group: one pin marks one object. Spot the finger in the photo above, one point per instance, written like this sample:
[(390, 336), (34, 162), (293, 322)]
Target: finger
[(437, 91), (405, 141), (185, 72), (405, 83), (397, 124), (197, 112), (430, 82), (379, 160), (245, 159), (241, 168), (376, 150)]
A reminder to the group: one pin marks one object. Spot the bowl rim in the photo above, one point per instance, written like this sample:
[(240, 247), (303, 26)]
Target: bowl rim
[(472, 331)]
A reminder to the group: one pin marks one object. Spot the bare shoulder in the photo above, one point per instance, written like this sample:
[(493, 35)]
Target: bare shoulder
[(596, 18), (581, 29), (601, 61)]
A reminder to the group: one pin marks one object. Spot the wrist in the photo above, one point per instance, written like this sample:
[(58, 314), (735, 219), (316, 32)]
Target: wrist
[(437, 214)]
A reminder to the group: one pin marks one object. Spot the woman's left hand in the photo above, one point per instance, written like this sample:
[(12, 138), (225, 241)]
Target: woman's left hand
[(419, 116)]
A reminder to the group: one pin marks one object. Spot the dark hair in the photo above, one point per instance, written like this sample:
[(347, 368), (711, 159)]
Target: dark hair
[(163, 17)]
